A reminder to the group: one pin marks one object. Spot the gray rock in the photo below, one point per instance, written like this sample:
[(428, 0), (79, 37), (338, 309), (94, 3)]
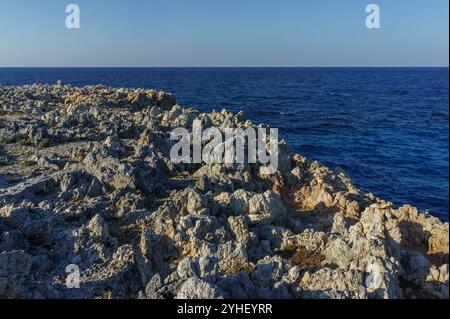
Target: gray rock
[(86, 179), (195, 288), (14, 269)]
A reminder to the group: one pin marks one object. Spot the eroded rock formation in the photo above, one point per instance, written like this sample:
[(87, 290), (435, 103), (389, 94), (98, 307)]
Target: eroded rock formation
[(86, 179)]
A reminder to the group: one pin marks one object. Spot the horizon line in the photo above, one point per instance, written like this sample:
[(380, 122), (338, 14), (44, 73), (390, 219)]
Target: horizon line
[(217, 67)]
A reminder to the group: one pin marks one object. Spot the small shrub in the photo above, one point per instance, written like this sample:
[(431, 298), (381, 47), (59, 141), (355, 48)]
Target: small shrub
[(28, 163), (24, 142), (7, 140), (308, 258), (44, 144), (247, 268), (79, 157)]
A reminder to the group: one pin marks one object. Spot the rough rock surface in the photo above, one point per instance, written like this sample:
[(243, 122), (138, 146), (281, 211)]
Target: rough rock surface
[(86, 180)]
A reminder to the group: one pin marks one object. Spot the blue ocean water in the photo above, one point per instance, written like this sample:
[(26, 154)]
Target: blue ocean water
[(386, 127)]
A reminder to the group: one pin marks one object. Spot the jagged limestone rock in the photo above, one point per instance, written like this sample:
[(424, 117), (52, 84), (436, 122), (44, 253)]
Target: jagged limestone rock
[(86, 179)]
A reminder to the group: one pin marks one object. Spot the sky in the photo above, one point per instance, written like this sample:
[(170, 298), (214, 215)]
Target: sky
[(221, 33)]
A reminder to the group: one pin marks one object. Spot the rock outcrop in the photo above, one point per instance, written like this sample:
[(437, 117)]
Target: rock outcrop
[(86, 179)]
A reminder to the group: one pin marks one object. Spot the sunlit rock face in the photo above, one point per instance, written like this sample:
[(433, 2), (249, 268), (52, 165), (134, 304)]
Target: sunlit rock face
[(86, 179)]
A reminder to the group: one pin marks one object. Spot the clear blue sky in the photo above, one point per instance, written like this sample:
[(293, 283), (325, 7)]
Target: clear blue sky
[(224, 33)]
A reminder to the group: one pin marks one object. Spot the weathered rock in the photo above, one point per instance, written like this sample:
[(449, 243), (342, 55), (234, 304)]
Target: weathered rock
[(86, 180), (194, 288)]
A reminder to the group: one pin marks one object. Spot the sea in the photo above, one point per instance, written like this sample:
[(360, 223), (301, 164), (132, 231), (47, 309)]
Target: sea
[(386, 127)]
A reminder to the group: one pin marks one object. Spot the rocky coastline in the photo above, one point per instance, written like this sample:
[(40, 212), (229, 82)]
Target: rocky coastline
[(86, 179)]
